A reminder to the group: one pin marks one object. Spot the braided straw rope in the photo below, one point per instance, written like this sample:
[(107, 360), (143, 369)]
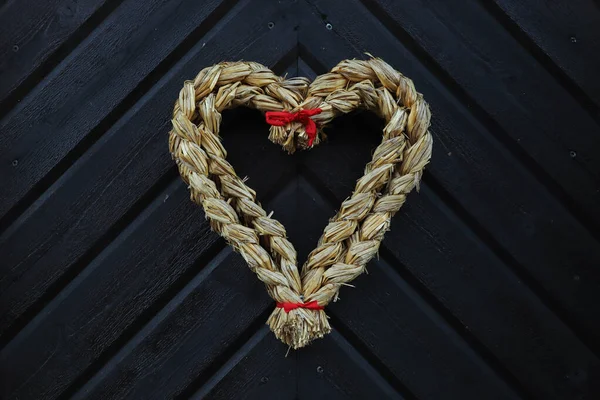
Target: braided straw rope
[(354, 234)]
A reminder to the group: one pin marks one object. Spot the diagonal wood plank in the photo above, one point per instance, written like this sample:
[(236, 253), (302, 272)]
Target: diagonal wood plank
[(181, 347), (94, 311), (95, 85), (257, 371), (416, 345), (329, 369), (535, 115), (332, 369), (102, 306), (191, 334), (462, 274), (219, 306), (516, 216), (88, 205), (32, 32), (122, 286), (567, 32)]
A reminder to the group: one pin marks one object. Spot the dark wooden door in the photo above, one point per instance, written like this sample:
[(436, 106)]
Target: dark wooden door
[(113, 286)]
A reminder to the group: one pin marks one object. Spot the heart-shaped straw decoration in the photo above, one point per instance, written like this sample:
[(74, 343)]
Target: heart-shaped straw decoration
[(354, 234)]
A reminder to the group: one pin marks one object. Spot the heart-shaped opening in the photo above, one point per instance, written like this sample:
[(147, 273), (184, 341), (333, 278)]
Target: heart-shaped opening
[(305, 190), (353, 235)]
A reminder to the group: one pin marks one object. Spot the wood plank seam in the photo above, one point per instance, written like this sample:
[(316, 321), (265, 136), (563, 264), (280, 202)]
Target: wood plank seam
[(513, 265), (135, 96), (81, 391), (495, 247), (98, 247), (175, 288), (567, 82), (478, 348), (52, 60), (307, 55), (91, 375), (487, 120)]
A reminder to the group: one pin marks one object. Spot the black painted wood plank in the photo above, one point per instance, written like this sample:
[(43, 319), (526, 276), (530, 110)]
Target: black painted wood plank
[(185, 338), (459, 270), (291, 208), (119, 288), (332, 369), (31, 31), (141, 282), (177, 345), (103, 302), (259, 370), (568, 32), (529, 109), (85, 94), (329, 369), (164, 245), (518, 218), (407, 338), (415, 344), (176, 350), (88, 205), (463, 304), (246, 144)]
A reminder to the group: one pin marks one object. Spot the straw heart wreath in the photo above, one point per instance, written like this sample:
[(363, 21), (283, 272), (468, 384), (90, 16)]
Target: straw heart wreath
[(297, 110)]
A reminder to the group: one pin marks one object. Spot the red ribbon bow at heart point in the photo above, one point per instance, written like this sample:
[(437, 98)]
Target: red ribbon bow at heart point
[(281, 118), (311, 305)]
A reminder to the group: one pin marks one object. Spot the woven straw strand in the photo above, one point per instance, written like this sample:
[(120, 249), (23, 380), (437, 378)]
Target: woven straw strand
[(353, 236)]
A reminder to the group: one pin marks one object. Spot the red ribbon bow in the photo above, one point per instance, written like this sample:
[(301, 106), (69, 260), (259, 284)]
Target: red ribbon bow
[(281, 118), (311, 305)]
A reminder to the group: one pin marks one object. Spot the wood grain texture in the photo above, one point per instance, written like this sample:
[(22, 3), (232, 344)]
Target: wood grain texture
[(522, 223), (527, 106), (259, 370), (176, 346), (112, 286), (81, 97), (567, 32), (29, 39), (417, 333), (187, 220), (113, 292), (36, 258), (329, 370), (471, 279)]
